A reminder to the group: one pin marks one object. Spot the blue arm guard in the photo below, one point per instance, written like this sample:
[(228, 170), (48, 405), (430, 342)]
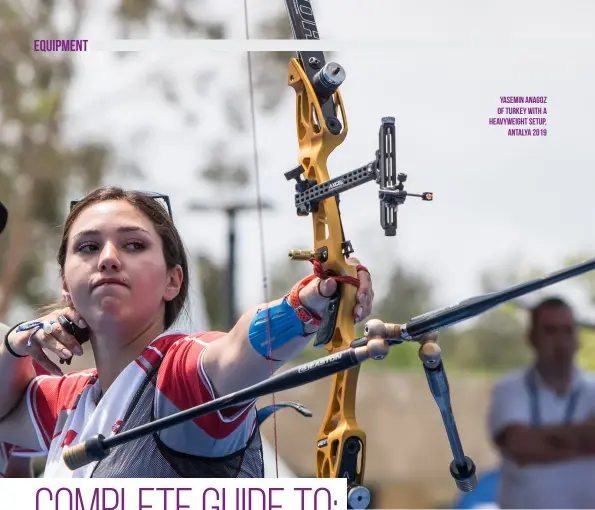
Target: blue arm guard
[(283, 326)]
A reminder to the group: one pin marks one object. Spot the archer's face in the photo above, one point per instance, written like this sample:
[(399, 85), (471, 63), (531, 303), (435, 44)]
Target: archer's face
[(554, 335), (115, 271)]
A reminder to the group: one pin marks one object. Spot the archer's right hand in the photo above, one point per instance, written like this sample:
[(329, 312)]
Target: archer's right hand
[(59, 341)]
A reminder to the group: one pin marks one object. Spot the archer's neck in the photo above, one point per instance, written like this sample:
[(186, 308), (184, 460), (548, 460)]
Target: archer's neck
[(115, 348)]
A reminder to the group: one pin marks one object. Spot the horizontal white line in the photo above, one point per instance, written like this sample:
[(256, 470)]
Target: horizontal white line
[(260, 45), (224, 45)]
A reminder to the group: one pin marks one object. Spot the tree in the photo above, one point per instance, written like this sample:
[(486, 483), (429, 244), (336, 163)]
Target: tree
[(212, 284), (494, 341), (587, 280), (39, 171), (586, 354), (406, 294)]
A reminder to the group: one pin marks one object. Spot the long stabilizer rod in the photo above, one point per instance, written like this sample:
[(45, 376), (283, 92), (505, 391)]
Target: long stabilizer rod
[(364, 348)]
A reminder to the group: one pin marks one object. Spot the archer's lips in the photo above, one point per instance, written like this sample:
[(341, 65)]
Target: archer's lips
[(108, 281)]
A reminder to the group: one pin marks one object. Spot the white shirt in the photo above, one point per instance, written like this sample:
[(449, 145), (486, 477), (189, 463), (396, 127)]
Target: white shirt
[(568, 484)]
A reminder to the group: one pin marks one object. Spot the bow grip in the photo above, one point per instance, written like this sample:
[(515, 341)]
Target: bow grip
[(329, 320)]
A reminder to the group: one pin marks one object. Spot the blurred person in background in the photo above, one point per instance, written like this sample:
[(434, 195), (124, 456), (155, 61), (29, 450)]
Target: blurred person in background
[(542, 419), (124, 278)]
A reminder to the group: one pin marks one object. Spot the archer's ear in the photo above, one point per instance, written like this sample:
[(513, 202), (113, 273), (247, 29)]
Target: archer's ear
[(66, 297), (175, 277)]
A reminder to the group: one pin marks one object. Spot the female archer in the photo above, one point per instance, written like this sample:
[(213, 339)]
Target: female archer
[(124, 279)]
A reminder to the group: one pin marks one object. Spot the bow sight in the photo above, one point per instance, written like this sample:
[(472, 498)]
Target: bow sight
[(392, 191)]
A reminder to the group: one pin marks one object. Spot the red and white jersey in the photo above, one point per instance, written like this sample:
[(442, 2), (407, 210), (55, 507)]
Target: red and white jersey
[(64, 410)]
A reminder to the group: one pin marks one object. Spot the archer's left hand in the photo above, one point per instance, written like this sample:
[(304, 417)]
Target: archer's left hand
[(314, 296)]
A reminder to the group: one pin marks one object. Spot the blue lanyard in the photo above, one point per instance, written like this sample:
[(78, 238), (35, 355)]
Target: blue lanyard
[(534, 401)]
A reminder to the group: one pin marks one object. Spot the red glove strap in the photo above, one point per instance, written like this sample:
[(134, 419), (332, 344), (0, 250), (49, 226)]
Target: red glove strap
[(293, 298), (359, 268)]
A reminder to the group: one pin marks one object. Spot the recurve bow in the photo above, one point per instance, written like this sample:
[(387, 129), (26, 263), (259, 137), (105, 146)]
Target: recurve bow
[(321, 125)]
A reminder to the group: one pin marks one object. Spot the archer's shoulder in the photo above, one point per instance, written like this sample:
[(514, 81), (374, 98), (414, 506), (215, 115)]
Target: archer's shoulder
[(204, 337), (172, 342)]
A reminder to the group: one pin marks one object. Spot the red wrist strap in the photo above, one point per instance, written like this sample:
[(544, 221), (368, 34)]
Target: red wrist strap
[(293, 298)]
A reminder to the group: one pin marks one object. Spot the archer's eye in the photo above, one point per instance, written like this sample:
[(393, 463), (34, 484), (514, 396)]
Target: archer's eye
[(136, 245), (85, 247)]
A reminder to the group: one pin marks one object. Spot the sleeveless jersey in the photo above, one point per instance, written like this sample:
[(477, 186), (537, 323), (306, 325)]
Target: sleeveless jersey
[(168, 377)]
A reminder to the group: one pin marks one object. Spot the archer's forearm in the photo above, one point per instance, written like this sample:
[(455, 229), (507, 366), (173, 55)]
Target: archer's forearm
[(232, 363)]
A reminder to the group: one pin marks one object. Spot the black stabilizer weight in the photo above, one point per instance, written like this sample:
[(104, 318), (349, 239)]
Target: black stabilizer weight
[(465, 477)]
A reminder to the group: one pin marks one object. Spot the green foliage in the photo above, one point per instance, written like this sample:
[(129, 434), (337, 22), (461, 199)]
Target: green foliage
[(495, 343), (586, 355), (586, 280), (39, 171), (212, 281), (492, 343)]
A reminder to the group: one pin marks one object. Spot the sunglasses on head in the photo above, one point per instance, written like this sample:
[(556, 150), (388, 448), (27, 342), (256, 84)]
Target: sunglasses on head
[(162, 199)]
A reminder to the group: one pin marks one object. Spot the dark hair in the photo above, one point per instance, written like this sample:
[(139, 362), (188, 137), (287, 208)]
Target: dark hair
[(545, 303), (173, 247)]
